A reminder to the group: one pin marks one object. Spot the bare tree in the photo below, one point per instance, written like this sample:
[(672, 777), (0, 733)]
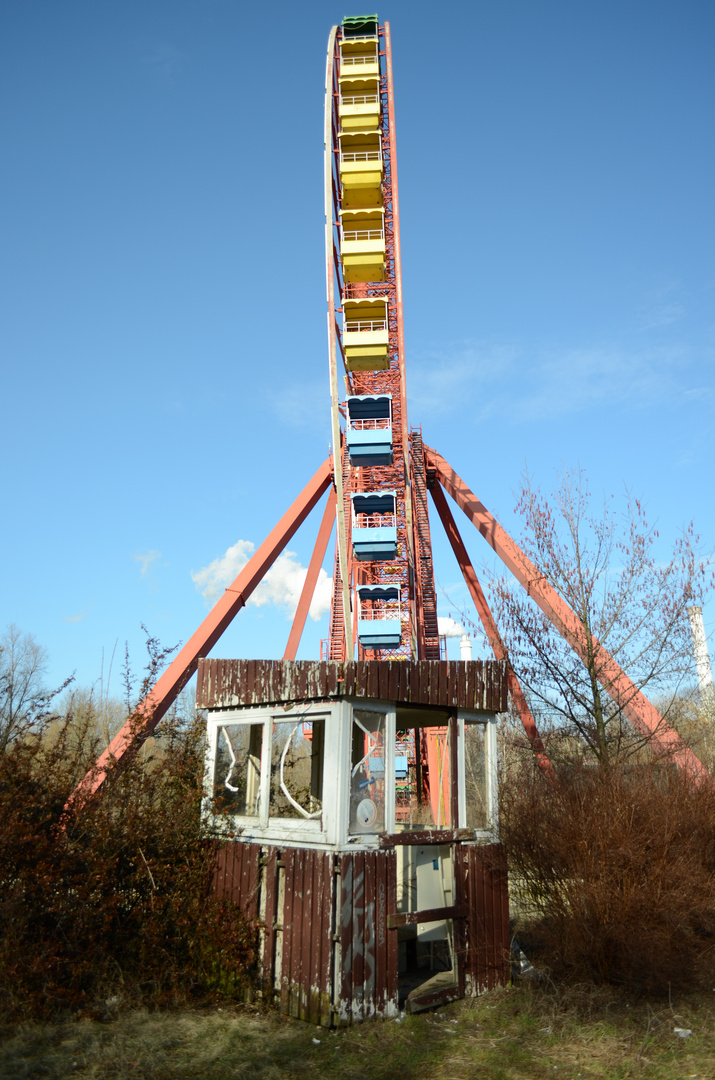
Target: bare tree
[(23, 696), (631, 604)]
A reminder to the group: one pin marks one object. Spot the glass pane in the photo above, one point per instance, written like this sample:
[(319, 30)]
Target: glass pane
[(367, 773), (423, 797), (475, 776), (297, 769), (237, 772)]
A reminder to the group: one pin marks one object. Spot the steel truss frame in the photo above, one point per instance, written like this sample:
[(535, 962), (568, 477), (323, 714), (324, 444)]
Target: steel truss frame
[(636, 707)]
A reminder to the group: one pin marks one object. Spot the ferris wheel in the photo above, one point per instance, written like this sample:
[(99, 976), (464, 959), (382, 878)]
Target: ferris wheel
[(383, 598), (379, 472)]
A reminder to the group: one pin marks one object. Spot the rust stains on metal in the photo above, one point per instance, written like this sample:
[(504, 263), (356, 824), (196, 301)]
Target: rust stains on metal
[(474, 684)]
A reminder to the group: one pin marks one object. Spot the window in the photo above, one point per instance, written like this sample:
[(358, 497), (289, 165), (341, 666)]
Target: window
[(475, 776), (297, 769), (367, 772), (237, 772)]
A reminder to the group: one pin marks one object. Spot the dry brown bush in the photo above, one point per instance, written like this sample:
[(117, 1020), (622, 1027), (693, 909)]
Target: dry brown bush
[(618, 866), (114, 907)]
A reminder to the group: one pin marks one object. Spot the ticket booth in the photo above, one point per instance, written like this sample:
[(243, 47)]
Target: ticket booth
[(357, 805)]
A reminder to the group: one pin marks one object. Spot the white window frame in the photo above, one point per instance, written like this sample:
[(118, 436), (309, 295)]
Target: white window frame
[(308, 831), (370, 839), (489, 722)]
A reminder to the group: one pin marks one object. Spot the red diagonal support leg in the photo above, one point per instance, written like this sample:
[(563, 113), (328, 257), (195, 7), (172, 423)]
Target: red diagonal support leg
[(311, 578), (159, 700), (490, 627), (644, 717)]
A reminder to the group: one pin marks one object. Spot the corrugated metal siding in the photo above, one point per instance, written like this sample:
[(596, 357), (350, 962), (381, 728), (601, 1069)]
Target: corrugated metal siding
[(473, 684), (368, 949), (487, 932), (318, 964)]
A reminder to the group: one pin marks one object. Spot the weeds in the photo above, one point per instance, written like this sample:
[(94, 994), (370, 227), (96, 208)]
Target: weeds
[(577, 1034), (115, 907), (618, 866)]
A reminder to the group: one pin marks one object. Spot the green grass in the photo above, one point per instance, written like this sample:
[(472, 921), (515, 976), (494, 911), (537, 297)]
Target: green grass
[(518, 1034)]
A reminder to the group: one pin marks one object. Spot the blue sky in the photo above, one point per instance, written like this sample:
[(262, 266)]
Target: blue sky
[(165, 389)]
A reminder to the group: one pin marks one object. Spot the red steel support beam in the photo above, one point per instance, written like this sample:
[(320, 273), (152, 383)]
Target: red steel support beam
[(636, 707), (490, 627), (311, 578), (161, 697)]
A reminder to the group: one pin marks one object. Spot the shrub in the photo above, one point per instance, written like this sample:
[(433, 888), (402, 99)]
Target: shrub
[(618, 866), (116, 906)]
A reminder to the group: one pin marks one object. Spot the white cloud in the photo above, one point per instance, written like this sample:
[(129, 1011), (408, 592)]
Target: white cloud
[(145, 559), (449, 627), (77, 617), (281, 586), (166, 60), (548, 383)]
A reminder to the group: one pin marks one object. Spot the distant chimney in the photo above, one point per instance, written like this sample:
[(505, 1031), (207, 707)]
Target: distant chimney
[(465, 647), (702, 658)]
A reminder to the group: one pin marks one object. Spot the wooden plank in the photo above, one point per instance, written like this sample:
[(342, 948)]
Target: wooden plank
[(370, 935), (270, 885), (345, 929), (392, 990), (254, 880), (287, 923), (297, 928), (316, 938), (471, 684), (326, 981), (464, 676), (416, 1002), (452, 697), (358, 936), (410, 918), (420, 837), (381, 934)]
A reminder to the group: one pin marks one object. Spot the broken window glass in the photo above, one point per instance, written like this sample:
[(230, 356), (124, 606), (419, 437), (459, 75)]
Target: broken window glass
[(367, 773), (297, 769), (423, 770), (237, 771), (475, 776)]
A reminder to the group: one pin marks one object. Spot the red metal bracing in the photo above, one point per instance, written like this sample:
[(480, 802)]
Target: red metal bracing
[(176, 676), (490, 628), (636, 707), (425, 597), (311, 578)]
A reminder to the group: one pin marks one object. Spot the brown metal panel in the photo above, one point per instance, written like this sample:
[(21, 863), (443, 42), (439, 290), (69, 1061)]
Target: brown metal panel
[(250, 684), (384, 672), (254, 880), (269, 935), (350, 673), (375, 680), (460, 926), (358, 935), (370, 934), (287, 923), (380, 995), (296, 929), (452, 697), (489, 927), (332, 678), (463, 675), (404, 691), (315, 938), (392, 992), (310, 934), (443, 693), (345, 929)]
